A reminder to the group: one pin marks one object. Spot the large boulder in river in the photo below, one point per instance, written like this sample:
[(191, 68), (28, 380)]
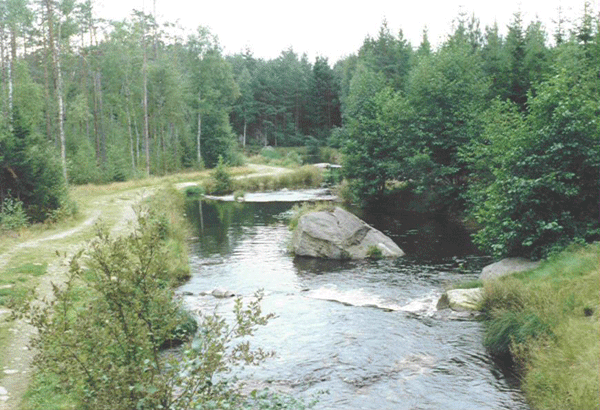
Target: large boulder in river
[(338, 234), (506, 267)]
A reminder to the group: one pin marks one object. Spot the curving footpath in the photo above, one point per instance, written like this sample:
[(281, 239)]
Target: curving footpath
[(15, 375)]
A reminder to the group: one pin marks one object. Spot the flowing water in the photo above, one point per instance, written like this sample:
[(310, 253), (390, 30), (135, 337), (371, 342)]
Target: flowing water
[(365, 332)]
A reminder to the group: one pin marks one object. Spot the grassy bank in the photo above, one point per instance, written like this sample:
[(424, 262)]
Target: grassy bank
[(546, 321), (124, 282), (223, 181)]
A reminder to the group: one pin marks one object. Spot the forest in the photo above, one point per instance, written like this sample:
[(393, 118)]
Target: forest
[(502, 129)]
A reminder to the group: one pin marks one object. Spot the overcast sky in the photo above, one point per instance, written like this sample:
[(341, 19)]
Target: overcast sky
[(332, 28)]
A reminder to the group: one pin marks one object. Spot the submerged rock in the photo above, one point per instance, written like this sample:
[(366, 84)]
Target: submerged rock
[(461, 300), (506, 267), (338, 234), (222, 293)]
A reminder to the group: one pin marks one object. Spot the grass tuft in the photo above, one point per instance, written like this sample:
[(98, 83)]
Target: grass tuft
[(547, 321), (307, 207)]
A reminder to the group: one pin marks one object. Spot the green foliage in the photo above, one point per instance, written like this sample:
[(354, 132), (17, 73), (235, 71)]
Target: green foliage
[(239, 195), (12, 215), (82, 166), (547, 321), (374, 252), (270, 153), (194, 192), (222, 179), (17, 279), (540, 172), (292, 159), (367, 160), (31, 172), (101, 336), (306, 176), (165, 212)]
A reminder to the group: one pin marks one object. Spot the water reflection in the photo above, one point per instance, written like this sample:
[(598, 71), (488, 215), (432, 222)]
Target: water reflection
[(365, 331)]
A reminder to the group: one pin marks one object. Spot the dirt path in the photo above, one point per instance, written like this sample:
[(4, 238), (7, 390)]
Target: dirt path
[(117, 211)]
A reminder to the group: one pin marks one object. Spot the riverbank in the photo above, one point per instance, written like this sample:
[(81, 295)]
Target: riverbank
[(29, 262), (124, 281), (546, 321)]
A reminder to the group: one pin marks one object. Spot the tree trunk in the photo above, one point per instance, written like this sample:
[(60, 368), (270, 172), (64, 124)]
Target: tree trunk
[(96, 122), (61, 114), (10, 95), (2, 75), (102, 135), (145, 102), (11, 63), (46, 86), (244, 140), (131, 150), (137, 140), (199, 137), (58, 85)]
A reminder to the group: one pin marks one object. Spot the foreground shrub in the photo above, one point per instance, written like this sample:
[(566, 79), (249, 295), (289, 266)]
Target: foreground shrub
[(100, 338)]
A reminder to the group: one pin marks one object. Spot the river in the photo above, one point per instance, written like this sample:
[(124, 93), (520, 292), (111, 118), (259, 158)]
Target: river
[(357, 334)]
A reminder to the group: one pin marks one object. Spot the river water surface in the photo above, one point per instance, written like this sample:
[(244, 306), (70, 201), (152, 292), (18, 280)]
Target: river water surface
[(364, 332)]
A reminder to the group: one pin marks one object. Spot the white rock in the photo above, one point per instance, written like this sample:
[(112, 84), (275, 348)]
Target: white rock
[(222, 293), (461, 299)]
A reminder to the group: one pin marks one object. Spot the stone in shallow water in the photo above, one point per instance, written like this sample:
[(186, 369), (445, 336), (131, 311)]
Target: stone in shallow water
[(222, 293), (461, 300), (338, 234)]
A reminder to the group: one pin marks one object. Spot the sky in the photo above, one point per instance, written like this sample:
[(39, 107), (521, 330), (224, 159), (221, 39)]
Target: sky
[(333, 28)]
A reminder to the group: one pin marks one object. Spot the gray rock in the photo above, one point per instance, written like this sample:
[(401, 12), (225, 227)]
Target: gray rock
[(222, 293), (506, 267), (461, 300), (338, 234)]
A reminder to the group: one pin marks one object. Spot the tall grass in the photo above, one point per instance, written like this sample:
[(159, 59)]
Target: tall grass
[(546, 320), (302, 177), (166, 207)]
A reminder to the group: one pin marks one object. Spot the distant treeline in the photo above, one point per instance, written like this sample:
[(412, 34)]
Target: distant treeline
[(505, 126)]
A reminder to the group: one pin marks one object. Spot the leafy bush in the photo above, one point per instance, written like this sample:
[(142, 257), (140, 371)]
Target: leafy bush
[(270, 153), (30, 171), (236, 159), (537, 186), (194, 192), (102, 335), (222, 178), (12, 214), (292, 159)]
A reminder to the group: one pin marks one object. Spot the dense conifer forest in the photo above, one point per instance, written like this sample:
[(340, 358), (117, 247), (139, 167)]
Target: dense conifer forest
[(502, 125)]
